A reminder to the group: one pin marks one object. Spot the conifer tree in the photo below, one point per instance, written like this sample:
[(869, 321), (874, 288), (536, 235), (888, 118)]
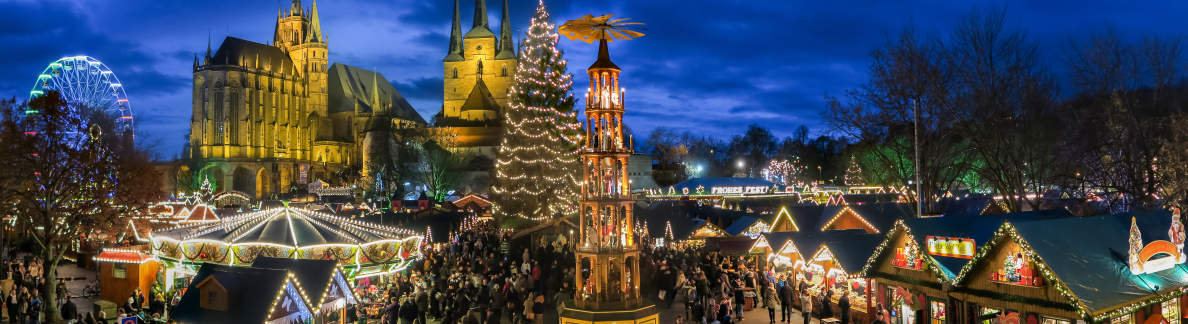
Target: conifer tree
[(854, 173), (536, 172)]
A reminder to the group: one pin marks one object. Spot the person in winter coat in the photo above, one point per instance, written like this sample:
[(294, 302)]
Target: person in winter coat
[(771, 301), (806, 306), (787, 295), (844, 306), (408, 311)]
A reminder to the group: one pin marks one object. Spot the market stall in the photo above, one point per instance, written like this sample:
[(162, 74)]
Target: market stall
[(833, 268)]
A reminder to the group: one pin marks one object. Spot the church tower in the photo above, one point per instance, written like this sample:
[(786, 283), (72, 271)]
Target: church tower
[(477, 70), (299, 34)]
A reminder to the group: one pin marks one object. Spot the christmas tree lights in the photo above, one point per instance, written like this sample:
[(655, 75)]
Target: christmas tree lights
[(536, 172), (784, 172), (854, 173)]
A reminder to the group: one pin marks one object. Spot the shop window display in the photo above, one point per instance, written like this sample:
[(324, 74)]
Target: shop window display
[(1124, 319), (938, 311), (1054, 320), (1017, 270), (1171, 310), (989, 311)]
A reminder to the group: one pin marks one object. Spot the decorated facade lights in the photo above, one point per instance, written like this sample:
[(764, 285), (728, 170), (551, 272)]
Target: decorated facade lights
[(1007, 232), (847, 210), (900, 228), (786, 217)]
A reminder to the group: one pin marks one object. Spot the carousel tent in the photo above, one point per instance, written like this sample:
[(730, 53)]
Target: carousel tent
[(287, 232), (286, 226)]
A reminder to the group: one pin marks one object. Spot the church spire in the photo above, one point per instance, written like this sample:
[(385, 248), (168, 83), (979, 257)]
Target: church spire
[(375, 102), (455, 53), (506, 45), (276, 35), (480, 13), (314, 34), (208, 46), (295, 9)]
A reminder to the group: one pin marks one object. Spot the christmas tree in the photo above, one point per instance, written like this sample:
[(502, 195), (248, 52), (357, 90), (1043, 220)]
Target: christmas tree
[(536, 172), (854, 173)]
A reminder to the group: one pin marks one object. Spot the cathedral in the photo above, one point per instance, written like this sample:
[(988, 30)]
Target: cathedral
[(477, 70), (270, 118)]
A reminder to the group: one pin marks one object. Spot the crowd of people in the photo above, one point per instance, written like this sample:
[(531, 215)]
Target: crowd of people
[(476, 277), (479, 277), (717, 289)]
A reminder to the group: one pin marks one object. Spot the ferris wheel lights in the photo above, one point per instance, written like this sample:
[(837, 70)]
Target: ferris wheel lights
[(31, 111), (36, 93), (125, 117), (44, 76), (122, 100), (113, 85)]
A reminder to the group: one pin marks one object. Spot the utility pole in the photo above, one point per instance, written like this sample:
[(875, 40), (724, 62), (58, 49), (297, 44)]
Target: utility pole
[(916, 140)]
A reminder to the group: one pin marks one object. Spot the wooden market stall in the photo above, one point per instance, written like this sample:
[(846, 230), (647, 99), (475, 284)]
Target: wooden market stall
[(1034, 268), (226, 294), (122, 271), (329, 292), (834, 268)]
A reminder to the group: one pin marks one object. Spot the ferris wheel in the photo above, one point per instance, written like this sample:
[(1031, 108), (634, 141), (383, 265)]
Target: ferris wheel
[(84, 81)]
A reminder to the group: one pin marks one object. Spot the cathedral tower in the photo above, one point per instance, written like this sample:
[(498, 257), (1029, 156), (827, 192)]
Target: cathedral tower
[(299, 34), (477, 70)]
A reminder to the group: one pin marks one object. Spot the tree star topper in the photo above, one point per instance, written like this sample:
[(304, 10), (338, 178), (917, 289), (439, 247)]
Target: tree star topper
[(589, 29)]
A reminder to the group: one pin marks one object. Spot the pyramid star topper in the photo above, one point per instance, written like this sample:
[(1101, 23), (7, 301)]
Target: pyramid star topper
[(589, 29)]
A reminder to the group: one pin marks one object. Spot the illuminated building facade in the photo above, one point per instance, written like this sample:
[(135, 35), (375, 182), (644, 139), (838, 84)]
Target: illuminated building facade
[(271, 117)]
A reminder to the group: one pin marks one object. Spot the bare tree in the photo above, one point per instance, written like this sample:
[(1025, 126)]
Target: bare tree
[(910, 83), (62, 180), (1003, 100)]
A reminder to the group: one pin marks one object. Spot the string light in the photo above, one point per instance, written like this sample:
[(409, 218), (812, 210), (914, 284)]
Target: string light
[(853, 173), (537, 165)]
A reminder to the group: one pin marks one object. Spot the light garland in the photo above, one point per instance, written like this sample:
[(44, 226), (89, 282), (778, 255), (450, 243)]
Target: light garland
[(537, 164), (784, 214), (853, 173), (842, 212)]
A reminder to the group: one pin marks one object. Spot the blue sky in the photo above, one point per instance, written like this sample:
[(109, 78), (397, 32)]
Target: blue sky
[(710, 67)]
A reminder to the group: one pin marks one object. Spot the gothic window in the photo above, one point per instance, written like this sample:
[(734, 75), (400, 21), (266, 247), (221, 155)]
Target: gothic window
[(480, 69), (219, 117), (503, 72), (455, 73)]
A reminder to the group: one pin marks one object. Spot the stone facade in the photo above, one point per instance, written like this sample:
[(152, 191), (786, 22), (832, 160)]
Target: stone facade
[(477, 71), (268, 118)]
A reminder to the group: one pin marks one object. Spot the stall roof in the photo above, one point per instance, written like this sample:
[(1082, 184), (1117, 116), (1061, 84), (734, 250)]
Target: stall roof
[(659, 215), (850, 248), (314, 275), (1090, 256), (740, 225), (980, 228), (251, 292)]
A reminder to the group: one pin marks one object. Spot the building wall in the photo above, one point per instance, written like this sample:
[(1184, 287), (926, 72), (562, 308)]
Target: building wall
[(980, 280), (118, 290), (496, 74)]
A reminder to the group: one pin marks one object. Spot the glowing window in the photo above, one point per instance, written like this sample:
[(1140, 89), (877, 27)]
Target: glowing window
[(1171, 310), (1124, 319), (938, 312)]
